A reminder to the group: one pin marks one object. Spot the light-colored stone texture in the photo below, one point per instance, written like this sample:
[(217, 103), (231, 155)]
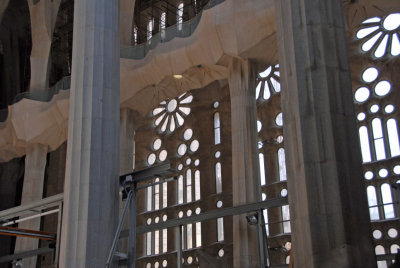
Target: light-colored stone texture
[(43, 20), (246, 185), (92, 170), (126, 12), (326, 193), (35, 163)]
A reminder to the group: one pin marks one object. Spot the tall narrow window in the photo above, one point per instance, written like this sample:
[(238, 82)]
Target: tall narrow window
[(262, 168), (135, 35), (148, 243), (282, 164), (218, 177), (372, 203), (286, 219), (378, 139), (393, 135), (265, 214), (364, 142), (163, 23), (220, 229), (387, 201), (197, 185), (150, 25), (149, 199), (165, 195), (188, 185), (189, 236), (180, 189), (198, 234), (157, 242), (217, 129), (164, 240), (180, 16), (157, 195)]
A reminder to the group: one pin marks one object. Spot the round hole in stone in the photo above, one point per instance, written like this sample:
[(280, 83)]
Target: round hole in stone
[(180, 214), (188, 161), (157, 219), (190, 260), (151, 159), (187, 135), (370, 74), (389, 108), (217, 154), (148, 265), (283, 192), (189, 213), (391, 22), (362, 94), (288, 246), (164, 263), (219, 204), (377, 234), (194, 145), (279, 120), (164, 217), (279, 139), (361, 116), (197, 162), (374, 108), (198, 210), (396, 169), (149, 221), (368, 175), (259, 125), (221, 253), (171, 106), (216, 104), (182, 149), (157, 144), (157, 264), (180, 166), (383, 173), (382, 88), (263, 196), (392, 233), (163, 155)]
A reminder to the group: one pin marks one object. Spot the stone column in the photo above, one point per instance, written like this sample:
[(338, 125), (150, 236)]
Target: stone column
[(246, 185), (35, 164), (43, 20), (127, 161), (92, 170), (330, 221)]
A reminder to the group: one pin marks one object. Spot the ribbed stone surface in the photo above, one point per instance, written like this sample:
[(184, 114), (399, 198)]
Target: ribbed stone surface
[(92, 169), (326, 193)]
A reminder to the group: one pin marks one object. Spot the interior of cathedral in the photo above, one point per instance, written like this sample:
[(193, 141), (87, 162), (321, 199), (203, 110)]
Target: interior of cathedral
[(269, 129)]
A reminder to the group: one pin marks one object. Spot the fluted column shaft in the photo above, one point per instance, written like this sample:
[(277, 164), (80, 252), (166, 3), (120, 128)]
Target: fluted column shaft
[(330, 222), (92, 169)]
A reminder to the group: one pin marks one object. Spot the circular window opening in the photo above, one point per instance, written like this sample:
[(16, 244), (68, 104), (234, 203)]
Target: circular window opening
[(187, 135), (382, 88), (389, 109), (148, 265), (361, 116), (188, 161), (157, 144), (189, 213), (149, 221), (383, 173), (368, 175), (283, 192), (180, 214), (163, 155), (164, 217), (219, 204), (362, 94), (374, 108), (396, 169), (197, 162), (164, 263), (279, 120), (151, 159), (182, 149), (180, 166), (189, 260), (194, 145), (377, 234), (198, 210), (263, 196), (221, 253), (157, 219), (279, 139), (156, 265), (216, 104), (171, 106), (370, 74), (259, 126), (392, 233), (217, 154), (391, 22)]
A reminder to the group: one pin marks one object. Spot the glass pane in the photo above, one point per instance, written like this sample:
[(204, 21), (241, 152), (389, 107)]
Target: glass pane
[(218, 178), (197, 185), (262, 168), (189, 236), (286, 218), (156, 242), (165, 195), (282, 164), (189, 185), (364, 142), (198, 234), (180, 189), (149, 197), (148, 243), (165, 240), (220, 227), (393, 137), (387, 199)]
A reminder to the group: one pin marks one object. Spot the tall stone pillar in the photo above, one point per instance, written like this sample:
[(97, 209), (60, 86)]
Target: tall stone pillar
[(330, 222), (32, 190), (91, 181), (245, 166)]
